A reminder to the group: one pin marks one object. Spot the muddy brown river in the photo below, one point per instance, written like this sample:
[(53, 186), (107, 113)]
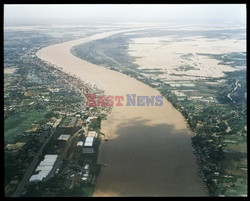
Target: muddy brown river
[(149, 152)]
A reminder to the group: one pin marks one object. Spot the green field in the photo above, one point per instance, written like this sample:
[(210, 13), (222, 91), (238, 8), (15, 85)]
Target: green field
[(21, 122)]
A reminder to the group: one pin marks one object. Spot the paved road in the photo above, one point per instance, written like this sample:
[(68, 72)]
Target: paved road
[(69, 143)]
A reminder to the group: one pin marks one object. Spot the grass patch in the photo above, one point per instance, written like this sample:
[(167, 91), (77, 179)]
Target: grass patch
[(21, 122)]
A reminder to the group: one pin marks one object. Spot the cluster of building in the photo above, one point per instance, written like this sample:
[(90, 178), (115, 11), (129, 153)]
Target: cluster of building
[(30, 86), (86, 173), (47, 169), (88, 144)]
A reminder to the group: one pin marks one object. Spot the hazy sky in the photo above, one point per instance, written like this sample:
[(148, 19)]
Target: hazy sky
[(54, 13)]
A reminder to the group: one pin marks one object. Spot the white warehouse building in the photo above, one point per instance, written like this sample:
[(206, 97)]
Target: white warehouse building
[(89, 142), (44, 168)]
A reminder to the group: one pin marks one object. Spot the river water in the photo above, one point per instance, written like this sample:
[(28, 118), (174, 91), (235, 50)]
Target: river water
[(149, 152)]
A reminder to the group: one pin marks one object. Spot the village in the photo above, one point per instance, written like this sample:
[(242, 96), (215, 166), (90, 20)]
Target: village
[(57, 137)]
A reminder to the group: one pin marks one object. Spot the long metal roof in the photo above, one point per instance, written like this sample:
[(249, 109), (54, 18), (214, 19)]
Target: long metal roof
[(44, 167)]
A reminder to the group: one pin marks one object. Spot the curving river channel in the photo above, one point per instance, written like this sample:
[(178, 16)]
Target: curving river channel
[(149, 152)]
